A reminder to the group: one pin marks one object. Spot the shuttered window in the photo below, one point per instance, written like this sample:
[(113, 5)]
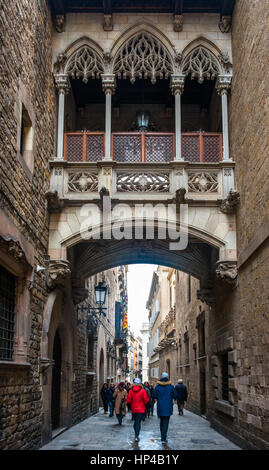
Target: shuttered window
[(7, 307), (224, 377)]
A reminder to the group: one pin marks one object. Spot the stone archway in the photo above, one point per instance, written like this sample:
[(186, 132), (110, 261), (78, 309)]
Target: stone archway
[(58, 358)]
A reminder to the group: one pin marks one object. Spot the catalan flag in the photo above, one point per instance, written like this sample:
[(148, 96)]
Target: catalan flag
[(125, 320)]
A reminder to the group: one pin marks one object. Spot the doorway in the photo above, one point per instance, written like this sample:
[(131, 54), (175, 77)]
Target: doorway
[(56, 383)]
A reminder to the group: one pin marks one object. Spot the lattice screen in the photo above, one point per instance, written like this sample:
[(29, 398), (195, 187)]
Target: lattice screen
[(95, 148), (211, 148), (127, 148), (74, 147), (190, 148), (159, 148)]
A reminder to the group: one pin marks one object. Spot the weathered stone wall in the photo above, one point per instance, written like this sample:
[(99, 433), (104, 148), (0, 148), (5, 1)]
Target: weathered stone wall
[(188, 308), (242, 314), (26, 36)]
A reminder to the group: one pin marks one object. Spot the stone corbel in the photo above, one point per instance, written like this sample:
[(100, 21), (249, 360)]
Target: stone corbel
[(54, 202), (79, 294), (60, 62), (224, 59), (225, 24), (227, 271), (178, 23), (108, 23), (230, 203), (57, 273), (13, 248), (59, 23), (206, 296)]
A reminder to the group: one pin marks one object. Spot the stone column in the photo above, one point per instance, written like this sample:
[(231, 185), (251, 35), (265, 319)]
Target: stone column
[(223, 85), (63, 86), (109, 85), (177, 87)]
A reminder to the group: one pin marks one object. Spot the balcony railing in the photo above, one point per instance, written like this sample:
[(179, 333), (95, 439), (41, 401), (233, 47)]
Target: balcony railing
[(136, 147)]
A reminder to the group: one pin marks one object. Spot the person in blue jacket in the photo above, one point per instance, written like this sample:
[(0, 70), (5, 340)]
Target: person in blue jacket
[(165, 394)]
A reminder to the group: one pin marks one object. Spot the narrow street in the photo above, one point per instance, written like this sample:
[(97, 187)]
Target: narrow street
[(100, 432)]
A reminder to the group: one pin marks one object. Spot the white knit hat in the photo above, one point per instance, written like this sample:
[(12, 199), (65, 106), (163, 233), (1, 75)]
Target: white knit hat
[(137, 381), (180, 381)]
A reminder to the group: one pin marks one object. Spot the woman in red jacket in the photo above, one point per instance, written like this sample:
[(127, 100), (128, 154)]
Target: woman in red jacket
[(137, 398)]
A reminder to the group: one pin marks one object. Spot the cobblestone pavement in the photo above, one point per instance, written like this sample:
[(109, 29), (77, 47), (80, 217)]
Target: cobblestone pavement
[(100, 432)]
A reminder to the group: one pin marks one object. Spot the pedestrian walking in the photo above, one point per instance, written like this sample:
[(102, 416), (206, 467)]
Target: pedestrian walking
[(182, 395), (128, 388), (152, 401), (120, 396), (104, 398), (110, 399), (147, 410), (137, 398), (164, 393)]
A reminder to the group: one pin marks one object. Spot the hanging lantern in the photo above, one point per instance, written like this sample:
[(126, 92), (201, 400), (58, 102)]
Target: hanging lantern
[(142, 120), (100, 293)]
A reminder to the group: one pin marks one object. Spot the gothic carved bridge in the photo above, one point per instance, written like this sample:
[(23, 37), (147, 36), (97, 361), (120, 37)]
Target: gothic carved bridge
[(161, 169), (208, 191)]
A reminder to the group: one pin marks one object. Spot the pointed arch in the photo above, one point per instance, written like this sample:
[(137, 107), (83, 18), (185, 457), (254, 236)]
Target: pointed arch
[(142, 51), (202, 59), (84, 59)]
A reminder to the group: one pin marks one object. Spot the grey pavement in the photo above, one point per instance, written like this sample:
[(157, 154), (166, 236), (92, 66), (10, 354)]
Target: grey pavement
[(100, 432)]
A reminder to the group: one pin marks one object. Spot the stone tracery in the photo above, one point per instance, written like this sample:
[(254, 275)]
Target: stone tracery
[(85, 63), (201, 64), (143, 56)]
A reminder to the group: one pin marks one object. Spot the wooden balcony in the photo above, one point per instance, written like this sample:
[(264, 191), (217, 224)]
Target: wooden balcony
[(136, 147)]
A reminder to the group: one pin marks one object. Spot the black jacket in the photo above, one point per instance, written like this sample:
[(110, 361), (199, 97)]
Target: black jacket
[(181, 392)]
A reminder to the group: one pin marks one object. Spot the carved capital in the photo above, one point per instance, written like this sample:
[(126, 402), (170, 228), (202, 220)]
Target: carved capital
[(57, 273), (223, 84), (177, 83), (230, 203), (54, 202), (62, 82), (108, 83), (59, 23), (108, 23), (227, 271), (225, 24), (178, 23)]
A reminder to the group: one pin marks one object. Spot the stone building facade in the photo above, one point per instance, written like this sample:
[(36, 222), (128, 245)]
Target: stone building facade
[(28, 107), (44, 261)]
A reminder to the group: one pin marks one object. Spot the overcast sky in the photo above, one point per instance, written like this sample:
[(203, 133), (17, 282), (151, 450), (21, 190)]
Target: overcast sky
[(139, 282)]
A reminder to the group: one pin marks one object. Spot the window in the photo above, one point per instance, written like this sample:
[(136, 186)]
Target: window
[(187, 349), (26, 137), (224, 377), (189, 288), (7, 314)]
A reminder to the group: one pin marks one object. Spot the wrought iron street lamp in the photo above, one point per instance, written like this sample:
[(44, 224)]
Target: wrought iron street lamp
[(100, 294), (95, 312)]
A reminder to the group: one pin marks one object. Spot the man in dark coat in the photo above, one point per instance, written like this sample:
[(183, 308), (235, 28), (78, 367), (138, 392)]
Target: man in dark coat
[(182, 395), (164, 393), (110, 399)]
